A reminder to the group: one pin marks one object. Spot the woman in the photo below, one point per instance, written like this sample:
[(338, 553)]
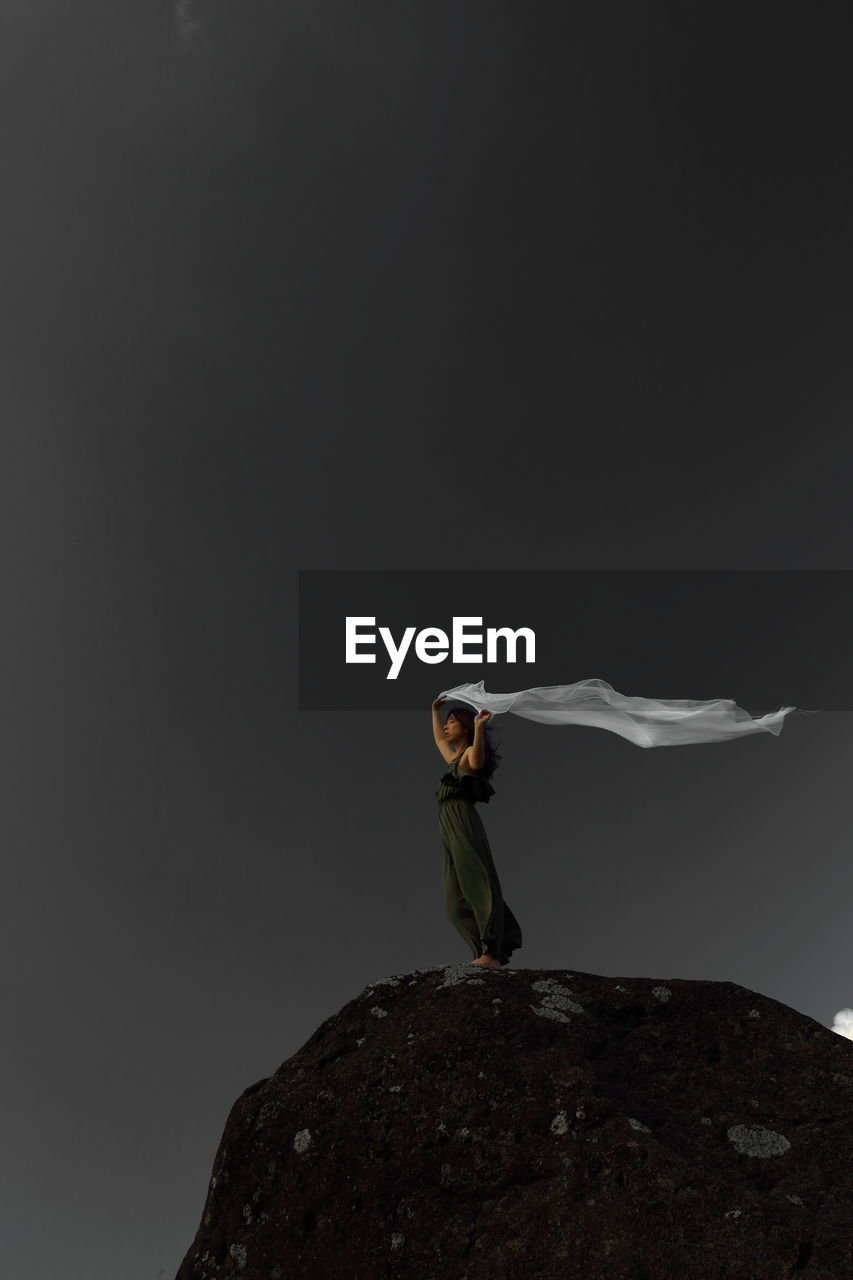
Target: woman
[(472, 890)]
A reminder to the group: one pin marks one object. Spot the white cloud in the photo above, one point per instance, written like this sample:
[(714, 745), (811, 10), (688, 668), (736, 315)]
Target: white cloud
[(843, 1023)]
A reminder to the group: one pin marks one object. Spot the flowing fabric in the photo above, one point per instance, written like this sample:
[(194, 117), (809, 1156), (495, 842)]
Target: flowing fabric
[(647, 722)]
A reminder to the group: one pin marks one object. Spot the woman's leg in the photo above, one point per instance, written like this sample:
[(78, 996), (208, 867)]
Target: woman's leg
[(458, 909), (512, 939), (499, 933), (472, 888), (480, 891)]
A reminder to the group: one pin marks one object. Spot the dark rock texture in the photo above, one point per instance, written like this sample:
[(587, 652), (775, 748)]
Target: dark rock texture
[(461, 1123)]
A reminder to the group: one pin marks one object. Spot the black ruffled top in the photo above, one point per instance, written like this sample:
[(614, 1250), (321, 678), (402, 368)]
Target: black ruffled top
[(459, 784)]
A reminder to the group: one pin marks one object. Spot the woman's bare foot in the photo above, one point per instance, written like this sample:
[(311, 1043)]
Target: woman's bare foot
[(488, 961)]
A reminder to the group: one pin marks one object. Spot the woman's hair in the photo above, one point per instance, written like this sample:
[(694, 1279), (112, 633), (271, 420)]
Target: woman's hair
[(465, 716)]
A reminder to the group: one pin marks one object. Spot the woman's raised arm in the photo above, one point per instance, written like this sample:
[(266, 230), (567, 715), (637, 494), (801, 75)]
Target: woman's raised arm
[(438, 731)]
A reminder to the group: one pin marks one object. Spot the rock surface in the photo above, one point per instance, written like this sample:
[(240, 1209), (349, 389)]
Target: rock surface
[(458, 1123)]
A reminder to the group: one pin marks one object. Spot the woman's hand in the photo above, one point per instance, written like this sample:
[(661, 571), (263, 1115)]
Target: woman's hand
[(481, 718), (437, 703)]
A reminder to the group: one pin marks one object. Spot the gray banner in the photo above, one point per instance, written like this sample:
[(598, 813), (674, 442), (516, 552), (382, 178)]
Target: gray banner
[(765, 638)]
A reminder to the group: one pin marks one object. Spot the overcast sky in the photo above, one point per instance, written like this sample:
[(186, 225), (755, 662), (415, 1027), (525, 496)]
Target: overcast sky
[(380, 286)]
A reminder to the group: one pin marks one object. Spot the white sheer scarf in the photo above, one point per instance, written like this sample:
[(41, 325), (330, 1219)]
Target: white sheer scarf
[(647, 722)]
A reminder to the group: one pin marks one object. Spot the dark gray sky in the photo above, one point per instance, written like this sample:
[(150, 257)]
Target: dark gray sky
[(335, 285)]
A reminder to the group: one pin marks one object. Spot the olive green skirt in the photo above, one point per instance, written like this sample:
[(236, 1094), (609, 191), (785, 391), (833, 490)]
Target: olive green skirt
[(472, 889)]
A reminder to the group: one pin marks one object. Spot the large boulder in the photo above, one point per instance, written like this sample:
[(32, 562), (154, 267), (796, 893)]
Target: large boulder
[(462, 1123)]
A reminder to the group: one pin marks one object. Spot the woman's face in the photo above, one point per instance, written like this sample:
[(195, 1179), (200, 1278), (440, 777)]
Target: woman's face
[(452, 728)]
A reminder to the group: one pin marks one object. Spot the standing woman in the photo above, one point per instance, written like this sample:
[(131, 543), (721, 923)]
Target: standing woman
[(472, 890)]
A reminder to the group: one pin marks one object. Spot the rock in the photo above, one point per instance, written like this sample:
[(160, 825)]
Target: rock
[(462, 1124)]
